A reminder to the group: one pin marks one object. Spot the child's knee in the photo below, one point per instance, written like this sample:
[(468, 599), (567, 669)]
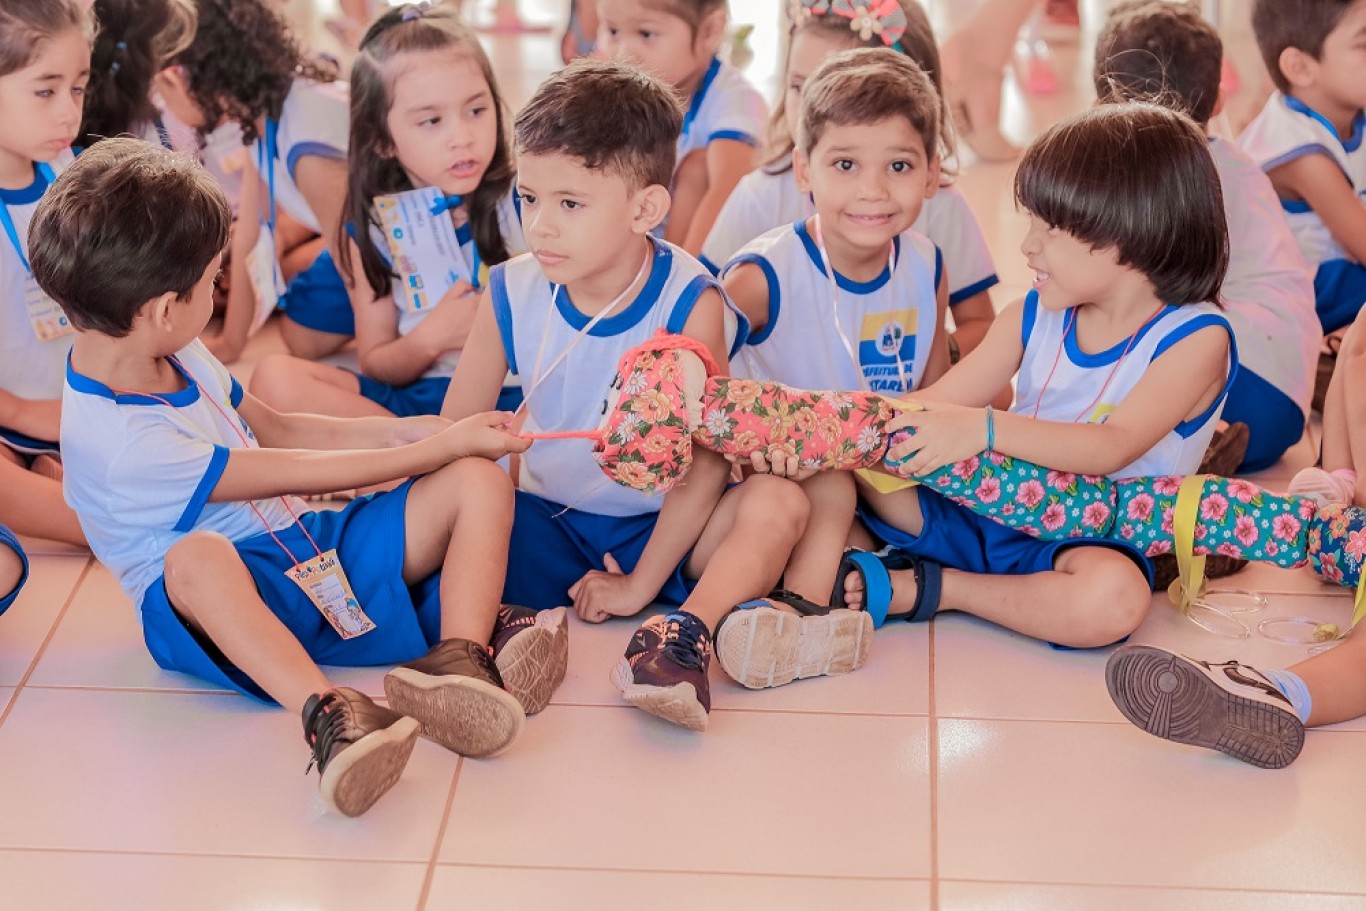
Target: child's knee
[(472, 480), (831, 491), (188, 560), (1116, 599), (776, 505), (277, 381)]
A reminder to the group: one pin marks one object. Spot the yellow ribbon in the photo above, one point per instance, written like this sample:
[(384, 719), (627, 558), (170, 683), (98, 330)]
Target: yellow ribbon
[(1190, 568)]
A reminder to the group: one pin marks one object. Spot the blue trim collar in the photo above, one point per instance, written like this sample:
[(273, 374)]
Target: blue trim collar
[(1350, 144), (695, 103), (661, 266), (42, 179), (82, 383), (843, 282), (1114, 352)]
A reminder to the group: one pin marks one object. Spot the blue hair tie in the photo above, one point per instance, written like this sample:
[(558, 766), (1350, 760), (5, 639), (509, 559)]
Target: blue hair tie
[(413, 12)]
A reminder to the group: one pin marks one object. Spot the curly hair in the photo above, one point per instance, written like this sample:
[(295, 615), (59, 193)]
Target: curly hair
[(374, 171), (136, 39), (242, 63)]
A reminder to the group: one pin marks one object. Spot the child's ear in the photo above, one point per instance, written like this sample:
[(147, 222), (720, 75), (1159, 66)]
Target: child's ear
[(801, 170), (157, 311), (651, 208), (934, 175), (1298, 68), (711, 31)]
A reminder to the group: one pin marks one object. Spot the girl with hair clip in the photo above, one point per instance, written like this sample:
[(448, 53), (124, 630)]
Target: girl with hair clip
[(430, 191), (136, 39), (1123, 362), (769, 197), (44, 66), (245, 67), (677, 41)]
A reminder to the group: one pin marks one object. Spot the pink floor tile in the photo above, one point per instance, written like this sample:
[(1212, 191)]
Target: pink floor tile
[(1107, 804), (29, 619), (62, 880), (959, 896), (162, 772), (761, 793), (515, 889)]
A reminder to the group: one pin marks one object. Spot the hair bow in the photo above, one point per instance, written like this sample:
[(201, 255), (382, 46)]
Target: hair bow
[(883, 18)]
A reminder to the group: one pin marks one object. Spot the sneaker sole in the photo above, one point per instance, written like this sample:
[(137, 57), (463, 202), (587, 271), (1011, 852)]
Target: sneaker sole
[(464, 715), (534, 662), (1172, 700), (677, 704), (365, 771), (765, 646)]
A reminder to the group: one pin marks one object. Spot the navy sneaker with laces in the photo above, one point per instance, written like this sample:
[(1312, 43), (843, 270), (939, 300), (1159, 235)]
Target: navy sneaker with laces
[(664, 670)]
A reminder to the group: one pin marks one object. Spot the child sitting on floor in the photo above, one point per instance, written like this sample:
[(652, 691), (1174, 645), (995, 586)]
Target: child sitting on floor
[(184, 485)]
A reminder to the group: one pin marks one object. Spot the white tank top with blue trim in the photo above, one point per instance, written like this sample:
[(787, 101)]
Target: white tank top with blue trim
[(29, 368), (878, 335), (1288, 129), (1050, 336), (539, 323), (315, 120), (725, 106)]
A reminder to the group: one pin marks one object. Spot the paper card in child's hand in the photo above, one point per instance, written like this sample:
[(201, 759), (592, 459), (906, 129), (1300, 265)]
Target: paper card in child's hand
[(423, 246)]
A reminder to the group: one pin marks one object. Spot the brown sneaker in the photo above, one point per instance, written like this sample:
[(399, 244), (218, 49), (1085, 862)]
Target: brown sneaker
[(1226, 451), (360, 748), (456, 693), (531, 650)]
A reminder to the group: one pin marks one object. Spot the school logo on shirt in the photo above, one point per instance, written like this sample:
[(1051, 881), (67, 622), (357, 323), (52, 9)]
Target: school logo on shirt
[(887, 350)]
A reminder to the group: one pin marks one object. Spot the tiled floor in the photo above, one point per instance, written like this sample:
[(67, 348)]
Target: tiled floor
[(963, 767)]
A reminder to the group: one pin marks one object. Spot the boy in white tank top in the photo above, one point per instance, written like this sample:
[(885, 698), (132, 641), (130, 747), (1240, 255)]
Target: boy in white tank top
[(595, 285), (1123, 368), (852, 298)]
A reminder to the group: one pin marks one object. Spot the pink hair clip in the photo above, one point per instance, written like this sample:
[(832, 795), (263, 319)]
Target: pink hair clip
[(883, 18)]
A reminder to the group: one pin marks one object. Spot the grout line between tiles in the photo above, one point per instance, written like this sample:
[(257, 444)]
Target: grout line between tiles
[(42, 646), (205, 855), (826, 713), (932, 733), (1135, 887), (683, 871), (440, 837)]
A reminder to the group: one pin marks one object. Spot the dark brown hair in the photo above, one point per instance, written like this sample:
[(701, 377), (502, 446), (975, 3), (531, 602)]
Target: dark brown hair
[(917, 42), (1137, 177), (26, 24), (242, 63), (137, 38), (608, 115), (690, 11), (373, 170), (868, 85), (126, 223), (1301, 24), (1163, 52)]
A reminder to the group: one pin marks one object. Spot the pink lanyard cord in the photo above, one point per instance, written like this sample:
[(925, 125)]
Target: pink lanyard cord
[(245, 442), (1071, 322)]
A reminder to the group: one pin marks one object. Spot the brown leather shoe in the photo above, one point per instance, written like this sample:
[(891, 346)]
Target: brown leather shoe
[(457, 694), (1226, 451), (360, 748)]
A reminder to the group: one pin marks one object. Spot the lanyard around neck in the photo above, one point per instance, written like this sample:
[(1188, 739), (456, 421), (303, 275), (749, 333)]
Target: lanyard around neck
[(835, 309), (267, 153), (45, 171)]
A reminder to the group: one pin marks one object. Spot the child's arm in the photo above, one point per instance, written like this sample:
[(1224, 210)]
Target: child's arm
[(37, 418), (253, 474), (682, 517), (227, 345), (747, 287), (1177, 386), (727, 161), (483, 367), (1319, 181), (396, 359), (275, 430), (972, 318), (938, 363)]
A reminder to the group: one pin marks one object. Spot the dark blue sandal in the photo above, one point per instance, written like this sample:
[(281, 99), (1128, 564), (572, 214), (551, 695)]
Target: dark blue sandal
[(875, 570)]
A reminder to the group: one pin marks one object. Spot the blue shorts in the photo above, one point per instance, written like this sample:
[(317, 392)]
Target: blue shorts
[(1274, 421), (369, 536), (26, 445), (959, 538), (7, 539), (424, 396), (316, 299), (1339, 292), (553, 547)]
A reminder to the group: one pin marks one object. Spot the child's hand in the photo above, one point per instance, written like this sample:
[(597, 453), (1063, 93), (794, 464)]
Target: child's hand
[(483, 435), (599, 595), (780, 464), (944, 434), (447, 327), (416, 429)]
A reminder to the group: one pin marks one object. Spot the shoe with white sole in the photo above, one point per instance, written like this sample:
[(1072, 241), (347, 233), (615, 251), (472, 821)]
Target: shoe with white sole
[(760, 645)]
